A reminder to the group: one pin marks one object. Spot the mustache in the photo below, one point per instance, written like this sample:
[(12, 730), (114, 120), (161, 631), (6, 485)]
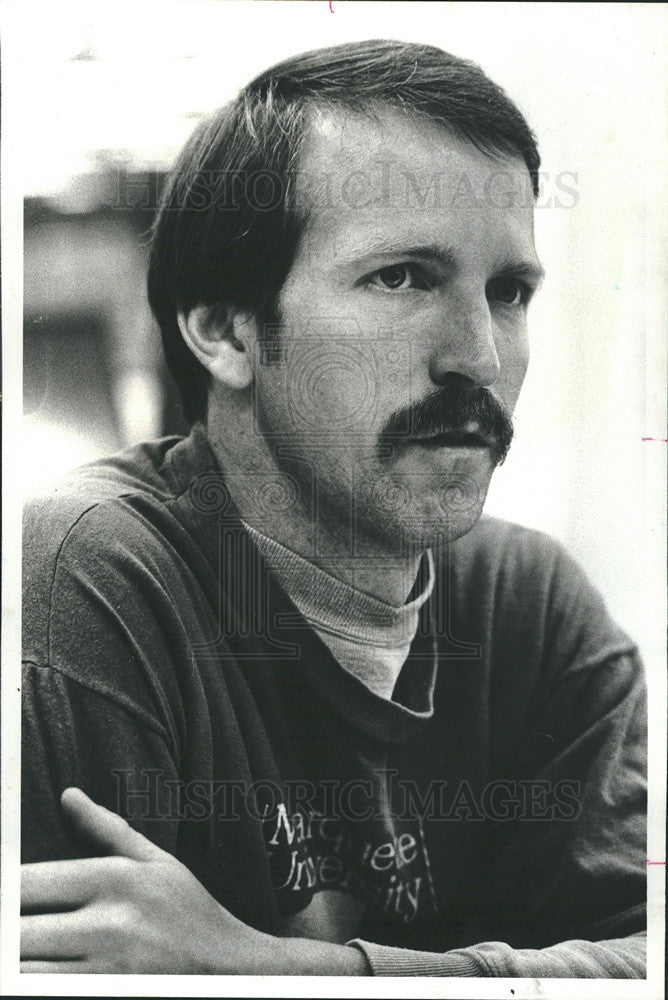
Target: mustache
[(457, 403)]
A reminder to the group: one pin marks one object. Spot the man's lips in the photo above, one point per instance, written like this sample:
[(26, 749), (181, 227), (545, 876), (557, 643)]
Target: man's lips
[(454, 439)]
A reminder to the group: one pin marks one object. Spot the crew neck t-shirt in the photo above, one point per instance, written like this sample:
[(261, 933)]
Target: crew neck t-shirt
[(368, 637)]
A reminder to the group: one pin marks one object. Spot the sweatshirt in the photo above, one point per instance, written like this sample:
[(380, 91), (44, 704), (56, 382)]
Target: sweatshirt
[(486, 820)]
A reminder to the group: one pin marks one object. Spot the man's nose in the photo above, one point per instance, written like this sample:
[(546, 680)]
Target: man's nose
[(465, 344)]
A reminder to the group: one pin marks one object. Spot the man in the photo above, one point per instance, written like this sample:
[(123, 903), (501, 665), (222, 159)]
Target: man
[(355, 729)]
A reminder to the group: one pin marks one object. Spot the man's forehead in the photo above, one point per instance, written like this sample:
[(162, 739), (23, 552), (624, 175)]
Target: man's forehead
[(360, 174), (338, 140)]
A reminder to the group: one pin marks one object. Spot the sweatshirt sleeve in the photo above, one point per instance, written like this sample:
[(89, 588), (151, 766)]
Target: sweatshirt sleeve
[(566, 894), (97, 713), (74, 735), (619, 958)]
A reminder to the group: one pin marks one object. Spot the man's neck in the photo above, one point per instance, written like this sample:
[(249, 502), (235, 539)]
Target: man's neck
[(386, 575), (262, 492)]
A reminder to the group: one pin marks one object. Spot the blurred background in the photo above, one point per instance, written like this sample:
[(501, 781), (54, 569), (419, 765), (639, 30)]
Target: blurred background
[(109, 92)]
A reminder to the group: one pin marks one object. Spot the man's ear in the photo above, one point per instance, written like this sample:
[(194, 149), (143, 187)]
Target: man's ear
[(221, 338)]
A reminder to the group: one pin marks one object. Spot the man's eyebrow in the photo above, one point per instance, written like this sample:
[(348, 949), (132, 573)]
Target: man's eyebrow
[(521, 268), (517, 268), (383, 247)]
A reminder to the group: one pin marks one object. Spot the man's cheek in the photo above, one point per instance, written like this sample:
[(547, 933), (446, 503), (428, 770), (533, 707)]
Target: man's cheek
[(514, 358), (336, 382)]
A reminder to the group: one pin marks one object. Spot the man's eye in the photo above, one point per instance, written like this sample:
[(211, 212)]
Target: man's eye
[(509, 291), (398, 277)]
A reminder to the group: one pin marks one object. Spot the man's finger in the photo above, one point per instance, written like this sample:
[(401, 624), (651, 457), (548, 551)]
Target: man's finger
[(108, 830), (54, 936), (49, 885), (49, 968)]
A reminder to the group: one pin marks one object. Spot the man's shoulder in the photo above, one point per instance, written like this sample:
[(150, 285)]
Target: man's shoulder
[(516, 564), (109, 552), (529, 587), (528, 584), (106, 519), (498, 546), (51, 515)]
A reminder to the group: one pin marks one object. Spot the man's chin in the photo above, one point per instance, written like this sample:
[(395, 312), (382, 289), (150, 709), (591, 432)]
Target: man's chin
[(433, 533), (432, 524), (410, 509)]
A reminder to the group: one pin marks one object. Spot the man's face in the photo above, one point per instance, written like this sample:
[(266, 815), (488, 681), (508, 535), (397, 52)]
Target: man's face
[(409, 289)]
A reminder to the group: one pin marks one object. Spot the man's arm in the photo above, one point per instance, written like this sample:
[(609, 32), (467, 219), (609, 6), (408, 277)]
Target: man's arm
[(142, 911), (619, 958), (139, 910), (75, 735)]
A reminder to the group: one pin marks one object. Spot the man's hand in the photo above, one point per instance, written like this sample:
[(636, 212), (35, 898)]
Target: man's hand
[(141, 911)]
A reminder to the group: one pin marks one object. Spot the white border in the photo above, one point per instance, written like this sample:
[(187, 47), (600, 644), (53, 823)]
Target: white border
[(386, 17)]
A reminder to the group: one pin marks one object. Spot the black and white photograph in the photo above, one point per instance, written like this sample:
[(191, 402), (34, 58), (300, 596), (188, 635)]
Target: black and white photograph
[(334, 477)]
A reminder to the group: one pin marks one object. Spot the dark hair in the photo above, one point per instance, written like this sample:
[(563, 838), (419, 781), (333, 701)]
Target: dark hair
[(228, 226)]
